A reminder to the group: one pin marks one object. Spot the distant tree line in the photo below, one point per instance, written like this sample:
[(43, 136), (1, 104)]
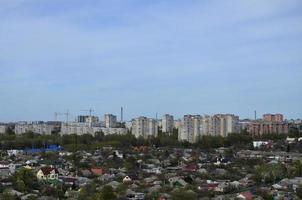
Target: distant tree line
[(90, 142)]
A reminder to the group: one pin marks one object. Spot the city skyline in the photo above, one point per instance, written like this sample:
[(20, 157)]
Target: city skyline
[(150, 57), (81, 116)]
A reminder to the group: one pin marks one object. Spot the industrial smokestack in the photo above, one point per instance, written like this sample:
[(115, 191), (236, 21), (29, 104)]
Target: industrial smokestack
[(122, 113)]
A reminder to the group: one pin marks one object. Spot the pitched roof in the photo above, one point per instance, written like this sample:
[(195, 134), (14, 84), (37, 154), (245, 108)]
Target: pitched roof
[(247, 195), (97, 171), (48, 170)]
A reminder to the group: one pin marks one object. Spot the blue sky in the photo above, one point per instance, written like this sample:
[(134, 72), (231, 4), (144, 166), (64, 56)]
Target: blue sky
[(165, 56)]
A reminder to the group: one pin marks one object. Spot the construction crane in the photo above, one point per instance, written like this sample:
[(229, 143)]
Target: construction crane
[(90, 111), (57, 114), (67, 114), (90, 118)]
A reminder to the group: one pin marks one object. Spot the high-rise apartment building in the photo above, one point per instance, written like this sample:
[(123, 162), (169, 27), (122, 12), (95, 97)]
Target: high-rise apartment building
[(273, 117), (43, 128), (91, 120), (190, 128), (167, 123), (194, 127), (145, 127), (225, 124), (177, 123), (110, 121), (265, 127)]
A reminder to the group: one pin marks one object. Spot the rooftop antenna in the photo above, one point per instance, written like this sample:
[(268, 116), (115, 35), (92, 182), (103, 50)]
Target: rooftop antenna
[(156, 116), (255, 115)]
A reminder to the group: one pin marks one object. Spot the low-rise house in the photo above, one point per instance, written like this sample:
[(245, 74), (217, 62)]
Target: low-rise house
[(220, 171), (86, 173), (190, 168), (4, 173), (114, 184), (154, 188), (212, 186), (4, 164), (222, 187), (82, 181), (135, 196), (97, 171), (177, 181), (106, 177), (14, 152), (48, 173), (127, 179), (69, 181), (286, 184), (235, 184), (156, 170), (149, 180), (222, 161), (246, 181), (245, 196), (29, 196), (291, 140), (202, 171)]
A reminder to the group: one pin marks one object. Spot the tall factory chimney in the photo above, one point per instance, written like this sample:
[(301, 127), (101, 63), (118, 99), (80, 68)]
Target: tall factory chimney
[(122, 113)]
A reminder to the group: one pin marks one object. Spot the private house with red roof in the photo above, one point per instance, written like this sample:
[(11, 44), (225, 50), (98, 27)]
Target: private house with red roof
[(97, 171), (190, 168), (245, 196)]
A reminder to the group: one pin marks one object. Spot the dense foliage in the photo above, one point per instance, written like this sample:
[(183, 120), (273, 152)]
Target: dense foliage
[(90, 142)]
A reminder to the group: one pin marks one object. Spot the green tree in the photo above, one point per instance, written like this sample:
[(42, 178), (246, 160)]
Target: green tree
[(299, 191), (269, 173), (24, 179), (107, 193), (7, 196), (297, 168), (88, 192), (20, 185), (183, 194), (130, 163), (121, 189)]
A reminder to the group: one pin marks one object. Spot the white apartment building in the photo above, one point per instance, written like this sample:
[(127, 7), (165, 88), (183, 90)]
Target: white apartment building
[(145, 127), (167, 123), (85, 128), (111, 131), (87, 119), (3, 128), (110, 121), (177, 124), (36, 127), (191, 128), (226, 124), (207, 125)]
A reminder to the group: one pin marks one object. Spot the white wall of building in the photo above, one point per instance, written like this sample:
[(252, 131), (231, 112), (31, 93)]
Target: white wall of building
[(145, 127), (167, 123)]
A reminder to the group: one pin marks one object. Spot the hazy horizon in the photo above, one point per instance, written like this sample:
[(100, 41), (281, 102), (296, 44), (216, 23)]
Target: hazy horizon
[(176, 57)]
